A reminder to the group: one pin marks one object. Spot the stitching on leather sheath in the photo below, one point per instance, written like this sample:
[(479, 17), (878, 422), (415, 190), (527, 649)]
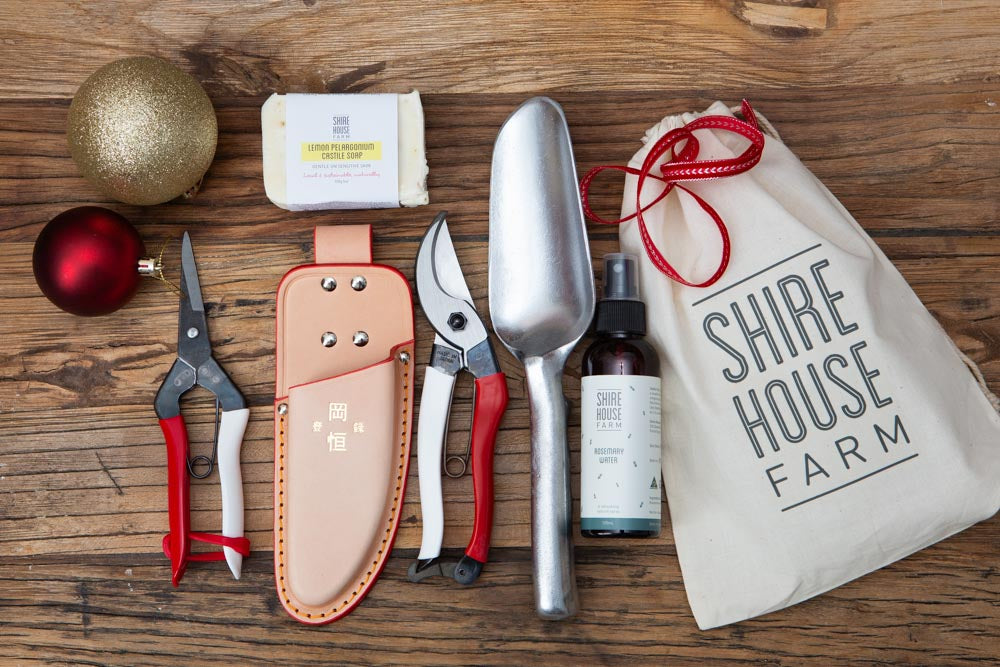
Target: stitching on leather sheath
[(392, 514)]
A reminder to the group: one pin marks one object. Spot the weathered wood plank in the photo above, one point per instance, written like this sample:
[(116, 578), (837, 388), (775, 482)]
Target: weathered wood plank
[(902, 159), (465, 47), (937, 608)]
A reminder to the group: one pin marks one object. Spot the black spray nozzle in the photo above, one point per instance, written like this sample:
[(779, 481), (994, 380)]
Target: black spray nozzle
[(621, 277)]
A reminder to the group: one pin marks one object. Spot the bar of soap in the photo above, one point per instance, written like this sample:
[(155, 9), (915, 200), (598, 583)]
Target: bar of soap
[(344, 151)]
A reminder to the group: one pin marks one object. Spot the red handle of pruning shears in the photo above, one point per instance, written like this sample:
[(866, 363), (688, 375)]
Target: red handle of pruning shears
[(177, 544), (491, 402)]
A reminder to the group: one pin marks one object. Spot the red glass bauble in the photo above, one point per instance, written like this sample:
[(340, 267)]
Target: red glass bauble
[(86, 260)]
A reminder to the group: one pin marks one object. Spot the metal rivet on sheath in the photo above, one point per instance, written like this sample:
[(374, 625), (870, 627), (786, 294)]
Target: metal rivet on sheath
[(329, 284), (282, 408), (360, 338), (404, 357), (359, 283), (329, 339)]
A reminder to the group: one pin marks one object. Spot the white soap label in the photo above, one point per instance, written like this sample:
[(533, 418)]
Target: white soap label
[(341, 151), (620, 453)]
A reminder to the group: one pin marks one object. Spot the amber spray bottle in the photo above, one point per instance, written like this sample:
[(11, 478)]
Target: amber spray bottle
[(620, 475)]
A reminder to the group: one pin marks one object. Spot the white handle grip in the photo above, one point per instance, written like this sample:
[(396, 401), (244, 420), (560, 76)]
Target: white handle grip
[(435, 404), (231, 429)]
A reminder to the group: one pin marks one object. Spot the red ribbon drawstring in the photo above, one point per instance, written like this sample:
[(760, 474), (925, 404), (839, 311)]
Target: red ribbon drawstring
[(684, 167)]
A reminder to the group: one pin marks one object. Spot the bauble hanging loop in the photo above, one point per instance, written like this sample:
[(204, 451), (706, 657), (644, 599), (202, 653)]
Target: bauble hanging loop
[(142, 131)]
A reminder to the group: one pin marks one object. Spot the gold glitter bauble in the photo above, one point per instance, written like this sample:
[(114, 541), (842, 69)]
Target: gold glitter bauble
[(142, 131)]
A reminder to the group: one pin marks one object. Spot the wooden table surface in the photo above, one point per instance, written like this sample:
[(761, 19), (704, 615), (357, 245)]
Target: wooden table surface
[(892, 104)]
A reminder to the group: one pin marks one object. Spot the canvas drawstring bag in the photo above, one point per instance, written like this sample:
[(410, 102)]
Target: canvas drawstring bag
[(818, 423)]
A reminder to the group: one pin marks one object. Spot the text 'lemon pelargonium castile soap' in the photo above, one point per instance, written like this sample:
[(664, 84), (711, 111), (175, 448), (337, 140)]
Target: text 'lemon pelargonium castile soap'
[(620, 414)]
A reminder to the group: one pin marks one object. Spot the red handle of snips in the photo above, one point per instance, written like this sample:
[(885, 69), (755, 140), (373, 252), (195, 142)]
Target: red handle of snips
[(177, 544), (682, 166), (491, 402)]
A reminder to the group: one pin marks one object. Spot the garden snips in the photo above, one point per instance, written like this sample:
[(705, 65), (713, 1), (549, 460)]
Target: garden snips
[(460, 343), (195, 365)]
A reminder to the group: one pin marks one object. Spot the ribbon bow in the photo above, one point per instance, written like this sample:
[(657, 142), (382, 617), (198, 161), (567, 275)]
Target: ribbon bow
[(684, 167)]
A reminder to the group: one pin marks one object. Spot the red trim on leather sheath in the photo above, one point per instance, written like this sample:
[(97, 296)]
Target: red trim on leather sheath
[(391, 358)]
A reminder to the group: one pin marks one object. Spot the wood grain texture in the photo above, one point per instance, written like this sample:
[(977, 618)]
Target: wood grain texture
[(892, 105), (116, 611), (500, 46)]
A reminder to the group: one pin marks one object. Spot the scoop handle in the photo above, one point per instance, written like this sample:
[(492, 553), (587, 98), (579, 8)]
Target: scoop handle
[(551, 500)]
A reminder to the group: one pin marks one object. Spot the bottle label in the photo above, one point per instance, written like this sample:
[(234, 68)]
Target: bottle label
[(620, 476)]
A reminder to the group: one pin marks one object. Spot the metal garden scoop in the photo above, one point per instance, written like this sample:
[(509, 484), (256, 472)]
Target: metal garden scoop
[(541, 302)]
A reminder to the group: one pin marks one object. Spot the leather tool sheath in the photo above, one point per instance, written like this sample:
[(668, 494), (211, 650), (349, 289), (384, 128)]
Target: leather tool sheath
[(342, 423)]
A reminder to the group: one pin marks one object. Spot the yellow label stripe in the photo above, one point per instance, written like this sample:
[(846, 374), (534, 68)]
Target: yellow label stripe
[(341, 151)]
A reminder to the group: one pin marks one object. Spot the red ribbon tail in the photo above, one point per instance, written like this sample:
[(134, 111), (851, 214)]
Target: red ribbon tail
[(683, 166)]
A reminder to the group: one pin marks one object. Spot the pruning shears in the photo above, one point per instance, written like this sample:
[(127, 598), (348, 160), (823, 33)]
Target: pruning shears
[(461, 342), (195, 365)]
